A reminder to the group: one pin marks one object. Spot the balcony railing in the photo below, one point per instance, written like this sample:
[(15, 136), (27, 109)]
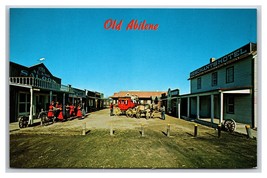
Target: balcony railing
[(35, 82)]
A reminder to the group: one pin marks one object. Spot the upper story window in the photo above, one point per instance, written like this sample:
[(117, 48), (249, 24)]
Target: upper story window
[(230, 74), (199, 83), (214, 79)]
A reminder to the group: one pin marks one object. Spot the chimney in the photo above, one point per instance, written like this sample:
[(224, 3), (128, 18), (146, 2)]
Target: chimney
[(212, 59)]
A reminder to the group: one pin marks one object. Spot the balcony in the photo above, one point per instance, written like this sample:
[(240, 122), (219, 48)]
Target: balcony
[(38, 83)]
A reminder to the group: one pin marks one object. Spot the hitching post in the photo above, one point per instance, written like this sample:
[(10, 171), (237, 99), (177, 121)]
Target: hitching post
[(111, 130), (84, 127), (168, 130), (219, 130), (195, 130), (248, 129), (142, 130)]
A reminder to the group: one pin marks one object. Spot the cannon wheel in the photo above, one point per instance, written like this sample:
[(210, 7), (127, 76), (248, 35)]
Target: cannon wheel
[(229, 125), (129, 113)]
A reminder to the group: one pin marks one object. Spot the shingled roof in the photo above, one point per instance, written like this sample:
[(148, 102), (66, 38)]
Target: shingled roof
[(140, 94)]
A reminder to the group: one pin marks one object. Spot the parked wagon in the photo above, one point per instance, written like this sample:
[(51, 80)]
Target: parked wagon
[(24, 120)]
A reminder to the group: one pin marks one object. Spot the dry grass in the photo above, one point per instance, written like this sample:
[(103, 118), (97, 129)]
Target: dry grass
[(61, 145)]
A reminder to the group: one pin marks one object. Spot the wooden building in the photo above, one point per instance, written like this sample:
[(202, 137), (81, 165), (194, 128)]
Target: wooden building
[(33, 88), (225, 88), (144, 97)]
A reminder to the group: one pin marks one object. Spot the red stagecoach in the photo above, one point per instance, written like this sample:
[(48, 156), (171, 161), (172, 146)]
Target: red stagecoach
[(124, 104), (130, 106)]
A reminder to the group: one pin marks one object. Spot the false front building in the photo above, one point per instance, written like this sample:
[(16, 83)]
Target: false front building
[(33, 88), (225, 88)]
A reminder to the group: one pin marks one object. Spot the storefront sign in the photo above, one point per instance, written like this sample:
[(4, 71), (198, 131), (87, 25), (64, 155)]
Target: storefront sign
[(38, 72), (243, 50), (172, 93), (41, 73)]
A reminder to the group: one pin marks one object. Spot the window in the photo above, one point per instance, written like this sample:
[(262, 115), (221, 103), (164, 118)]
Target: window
[(199, 83), (230, 105), (91, 103), (214, 79), (24, 103), (230, 75)]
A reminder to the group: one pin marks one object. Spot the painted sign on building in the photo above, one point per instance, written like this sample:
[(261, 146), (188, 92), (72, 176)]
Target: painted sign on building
[(221, 61)]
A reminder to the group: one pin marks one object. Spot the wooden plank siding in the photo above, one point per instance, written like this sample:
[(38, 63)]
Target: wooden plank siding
[(242, 77)]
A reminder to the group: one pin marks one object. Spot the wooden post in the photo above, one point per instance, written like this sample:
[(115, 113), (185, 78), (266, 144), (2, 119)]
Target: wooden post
[(84, 128), (219, 130), (111, 130), (195, 130), (248, 129), (31, 108), (168, 130), (142, 130)]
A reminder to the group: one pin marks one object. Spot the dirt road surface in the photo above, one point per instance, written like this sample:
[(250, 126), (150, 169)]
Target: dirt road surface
[(63, 145)]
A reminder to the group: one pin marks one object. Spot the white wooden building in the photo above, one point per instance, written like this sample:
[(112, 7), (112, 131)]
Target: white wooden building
[(225, 88)]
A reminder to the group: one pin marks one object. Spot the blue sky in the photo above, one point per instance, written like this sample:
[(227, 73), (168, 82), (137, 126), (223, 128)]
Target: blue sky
[(79, 50)]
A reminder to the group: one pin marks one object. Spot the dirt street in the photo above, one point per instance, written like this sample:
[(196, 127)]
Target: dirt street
[(102, 120), (62, 144)]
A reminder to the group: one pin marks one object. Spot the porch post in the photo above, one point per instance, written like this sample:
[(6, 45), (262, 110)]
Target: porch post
[(221, 110), (188, 107), (31, 107), (197, 107), (50, 96), (179, 107), (63, 103), (212, 108)]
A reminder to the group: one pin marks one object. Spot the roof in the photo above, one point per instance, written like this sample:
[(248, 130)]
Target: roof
[(140, 94)]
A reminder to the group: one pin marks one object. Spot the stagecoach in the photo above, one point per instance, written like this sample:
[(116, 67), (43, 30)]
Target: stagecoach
[(131, 107)]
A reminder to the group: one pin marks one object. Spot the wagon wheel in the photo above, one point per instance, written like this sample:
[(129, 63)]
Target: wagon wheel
[(129, 113), (21, 124), (117, 111), (230, 125)]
